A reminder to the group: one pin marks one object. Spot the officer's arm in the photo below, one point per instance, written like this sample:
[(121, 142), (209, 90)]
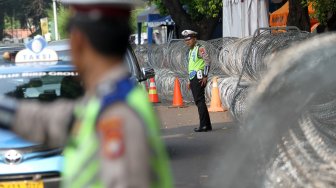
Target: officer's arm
[(47, 123), (204, 55), (124, 151)]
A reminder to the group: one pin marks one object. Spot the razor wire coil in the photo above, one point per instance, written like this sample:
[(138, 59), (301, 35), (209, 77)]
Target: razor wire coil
[(306, 153)]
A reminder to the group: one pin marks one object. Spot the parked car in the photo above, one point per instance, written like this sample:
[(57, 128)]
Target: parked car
[(23, 163), (26, 164), (137, 74), (11, 49)]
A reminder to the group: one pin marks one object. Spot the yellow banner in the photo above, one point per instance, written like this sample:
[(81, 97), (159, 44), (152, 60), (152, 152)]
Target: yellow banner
[(44, 26)]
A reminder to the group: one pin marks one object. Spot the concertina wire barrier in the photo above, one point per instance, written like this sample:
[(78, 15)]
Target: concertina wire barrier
[(289, 136), (227, 56), (291, 112)]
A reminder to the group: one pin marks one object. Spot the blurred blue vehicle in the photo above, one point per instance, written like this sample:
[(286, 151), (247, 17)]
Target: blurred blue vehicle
[(24, 164), (21, 160)]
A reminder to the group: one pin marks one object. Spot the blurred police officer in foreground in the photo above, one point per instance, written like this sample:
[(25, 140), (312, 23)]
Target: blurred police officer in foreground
[(198, 68), (111, 136)]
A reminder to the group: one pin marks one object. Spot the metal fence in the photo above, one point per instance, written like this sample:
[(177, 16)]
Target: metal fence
[(286, 103), (227, 57), (288, 138)]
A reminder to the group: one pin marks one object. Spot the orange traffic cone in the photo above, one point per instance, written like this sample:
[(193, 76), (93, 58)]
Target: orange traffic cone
[(153, 96), (177, 98), (216, 104)]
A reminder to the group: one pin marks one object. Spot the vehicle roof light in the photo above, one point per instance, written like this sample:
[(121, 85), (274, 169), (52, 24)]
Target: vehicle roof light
[(36, 51)]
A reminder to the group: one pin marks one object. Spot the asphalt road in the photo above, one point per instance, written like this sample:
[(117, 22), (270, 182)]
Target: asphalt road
[(194, 156)]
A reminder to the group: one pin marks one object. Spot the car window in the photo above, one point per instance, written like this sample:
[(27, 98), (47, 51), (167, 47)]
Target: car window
[(63, 55), (43, 86), (129, 61), (63, 51), (133, 62)]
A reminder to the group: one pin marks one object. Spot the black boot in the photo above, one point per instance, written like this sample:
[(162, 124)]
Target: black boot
[(203, 129)]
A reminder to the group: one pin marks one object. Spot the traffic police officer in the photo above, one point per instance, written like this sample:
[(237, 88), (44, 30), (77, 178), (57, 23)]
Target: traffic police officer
[(198, 68), (111, 136)]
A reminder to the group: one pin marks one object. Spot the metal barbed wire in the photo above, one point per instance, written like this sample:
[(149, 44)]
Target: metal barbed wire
[(308, 151), (286, 112), (174, 55), (170, 61), (227, 56), (290, 129), (232, 56), (310, 147)]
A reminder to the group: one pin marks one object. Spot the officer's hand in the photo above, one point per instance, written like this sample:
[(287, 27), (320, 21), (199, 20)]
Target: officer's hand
[(188, 85), (204, 81)]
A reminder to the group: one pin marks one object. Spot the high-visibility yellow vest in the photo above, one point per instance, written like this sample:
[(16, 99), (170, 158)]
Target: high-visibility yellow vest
[(195, 63), (81, 159)]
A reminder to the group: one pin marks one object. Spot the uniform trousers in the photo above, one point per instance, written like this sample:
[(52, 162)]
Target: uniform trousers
[(198, 92)]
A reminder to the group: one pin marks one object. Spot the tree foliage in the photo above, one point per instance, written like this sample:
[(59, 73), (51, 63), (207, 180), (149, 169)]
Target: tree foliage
[(199, 15), (11, 23), (133, 20), (25, 11), (63, 14), (197, 9), (209, 8), (323, 9)]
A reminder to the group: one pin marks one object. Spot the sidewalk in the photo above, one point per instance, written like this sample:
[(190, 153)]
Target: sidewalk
[(194, 157), (177, 117)]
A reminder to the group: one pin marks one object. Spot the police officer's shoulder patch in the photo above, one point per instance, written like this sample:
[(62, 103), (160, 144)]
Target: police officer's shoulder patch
[(202, 51), (112, 136)]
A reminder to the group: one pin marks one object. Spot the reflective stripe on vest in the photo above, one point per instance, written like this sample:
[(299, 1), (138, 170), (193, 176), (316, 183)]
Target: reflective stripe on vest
[(159, 157), (195, 63), (81, 165), (81, 158)]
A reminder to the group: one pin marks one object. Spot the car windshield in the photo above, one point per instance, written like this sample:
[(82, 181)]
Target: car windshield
[(63, 51), (43, 86), (48, 86)]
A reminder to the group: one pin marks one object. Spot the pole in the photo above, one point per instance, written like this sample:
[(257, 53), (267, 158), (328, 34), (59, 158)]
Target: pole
[(12, 25), (223, 23), (55, 20)]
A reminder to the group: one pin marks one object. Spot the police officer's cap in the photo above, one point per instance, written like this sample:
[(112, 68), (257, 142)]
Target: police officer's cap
[(188, 34)]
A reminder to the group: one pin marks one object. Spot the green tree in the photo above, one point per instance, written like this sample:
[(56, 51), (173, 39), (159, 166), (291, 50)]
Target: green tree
[(8, 14), (133, 21), (199, 15), (63, 14), (23, 10), (11, 23), (324, 9), (34, 9)]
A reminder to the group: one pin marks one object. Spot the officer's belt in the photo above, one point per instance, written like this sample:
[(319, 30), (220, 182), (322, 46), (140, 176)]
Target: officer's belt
[(193, 73)]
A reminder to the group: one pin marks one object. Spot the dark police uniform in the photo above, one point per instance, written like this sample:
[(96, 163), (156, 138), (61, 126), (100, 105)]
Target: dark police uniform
[(198, 68)]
